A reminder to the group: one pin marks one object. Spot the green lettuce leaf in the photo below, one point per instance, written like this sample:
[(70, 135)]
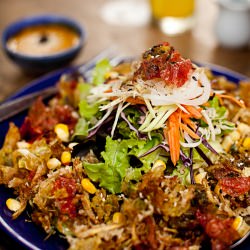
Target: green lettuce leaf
[(133, 116), (220, 110), (83, 90), (183, 174), (117, 166), (125, 131), (86, 110), (81, 129), (111, 172), (139, 148), (101, 68)]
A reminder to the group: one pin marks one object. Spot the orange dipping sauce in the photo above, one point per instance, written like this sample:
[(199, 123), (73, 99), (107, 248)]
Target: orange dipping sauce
[(43, 40)]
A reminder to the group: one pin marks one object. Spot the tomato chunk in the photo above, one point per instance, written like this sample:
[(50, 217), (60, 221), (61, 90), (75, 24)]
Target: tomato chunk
[(162, 61), (64, 191), (220, 230), (235, 186), (68, 185), (42, 119)]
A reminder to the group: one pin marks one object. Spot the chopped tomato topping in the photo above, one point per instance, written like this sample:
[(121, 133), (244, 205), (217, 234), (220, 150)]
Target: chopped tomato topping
[(235, 186), (67, 206), (64, 191), (162, 61), (28, 132), (68, 185), (220, 230), (42, 116), (64, 115), (176, 71), (42, 119)]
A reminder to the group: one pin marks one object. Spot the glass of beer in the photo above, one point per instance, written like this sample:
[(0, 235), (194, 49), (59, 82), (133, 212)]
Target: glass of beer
[(173, 16)]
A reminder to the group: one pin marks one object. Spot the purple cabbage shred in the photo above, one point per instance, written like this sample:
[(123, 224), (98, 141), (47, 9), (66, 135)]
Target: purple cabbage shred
[(161, 145)]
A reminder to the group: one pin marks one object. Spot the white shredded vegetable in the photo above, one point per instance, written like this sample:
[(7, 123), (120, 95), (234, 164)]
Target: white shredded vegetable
[(155, 93), (190, 143), (103, 118), (118, 112), (210, 124)]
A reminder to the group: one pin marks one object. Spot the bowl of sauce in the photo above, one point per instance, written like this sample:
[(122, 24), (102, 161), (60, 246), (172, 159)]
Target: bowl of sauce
[(43, 43)]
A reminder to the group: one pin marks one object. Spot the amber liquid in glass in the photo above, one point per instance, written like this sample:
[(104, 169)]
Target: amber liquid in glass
[(173, 16)]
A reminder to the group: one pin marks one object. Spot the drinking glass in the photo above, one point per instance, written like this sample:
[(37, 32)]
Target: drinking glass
[(173, 16)]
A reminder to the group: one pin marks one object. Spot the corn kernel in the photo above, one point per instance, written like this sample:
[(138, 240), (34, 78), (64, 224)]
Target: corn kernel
[(159, 163), (237, 222), (111, 74), (23, 145), (66, 157), (88, 186), (13, 204), (53, 163), (194, 247), (62, 132), (199, 177), (246, 143), (240, 226), (118, 218)]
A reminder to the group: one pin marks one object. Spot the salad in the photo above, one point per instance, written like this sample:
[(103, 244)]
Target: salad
[(149, 154)]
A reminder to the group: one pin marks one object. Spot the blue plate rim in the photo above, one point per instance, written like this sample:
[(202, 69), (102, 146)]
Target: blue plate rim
[(229, 72), (38, 83)]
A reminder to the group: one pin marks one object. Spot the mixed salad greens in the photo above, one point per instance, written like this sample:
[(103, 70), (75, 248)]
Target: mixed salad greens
[(149, 155)]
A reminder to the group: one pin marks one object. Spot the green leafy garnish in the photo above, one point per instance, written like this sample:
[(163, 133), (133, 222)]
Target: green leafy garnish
[(110, 172), (117, 167), (101, 68), (81, 129), (83, 90), (139, 148), (220, 110), (87, 110), (183, 174)]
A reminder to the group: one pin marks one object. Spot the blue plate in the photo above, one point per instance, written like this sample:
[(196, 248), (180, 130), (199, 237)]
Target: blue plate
[(26, 233)]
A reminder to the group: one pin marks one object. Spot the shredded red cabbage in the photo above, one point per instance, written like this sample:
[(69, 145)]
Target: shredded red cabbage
[(204, 157), (123, 116), (161, 145), (94, 131), (206, 144)]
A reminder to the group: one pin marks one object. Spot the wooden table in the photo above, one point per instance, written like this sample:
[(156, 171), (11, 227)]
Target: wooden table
[(199, 45)]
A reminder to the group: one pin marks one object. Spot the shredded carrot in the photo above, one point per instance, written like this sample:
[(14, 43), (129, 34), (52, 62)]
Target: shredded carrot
[(232, 98), (186, 119), (108, 91), (220, 100), (195, 112), (189, 131), (172, 133), (135, 100), (112, 98), (132, 100), (206, 104)]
